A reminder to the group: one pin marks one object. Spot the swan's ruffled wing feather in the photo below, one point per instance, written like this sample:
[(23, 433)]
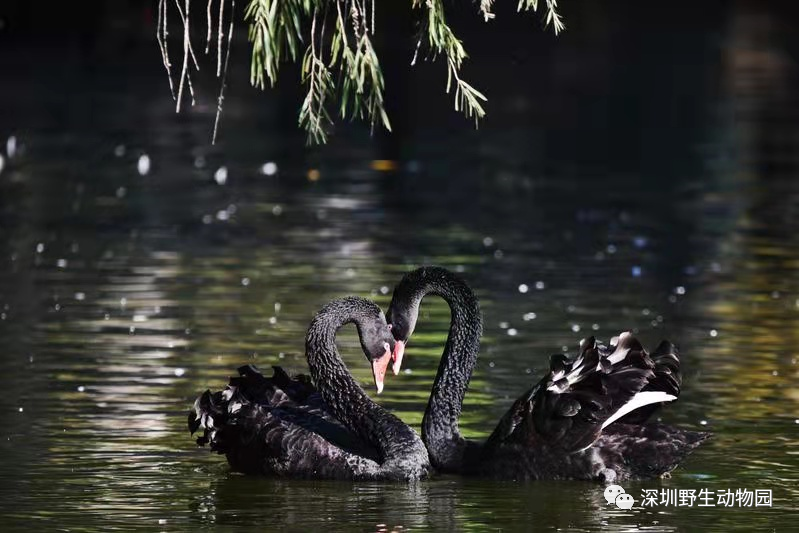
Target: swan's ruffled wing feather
[(568, 407), (279, 424), (667, 378)]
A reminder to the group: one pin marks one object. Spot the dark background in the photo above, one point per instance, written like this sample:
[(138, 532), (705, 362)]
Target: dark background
[(632, 52)]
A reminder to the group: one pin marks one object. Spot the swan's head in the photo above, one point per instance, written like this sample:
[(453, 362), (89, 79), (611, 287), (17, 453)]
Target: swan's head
[(401, 317), (408, 294), (378, 345)]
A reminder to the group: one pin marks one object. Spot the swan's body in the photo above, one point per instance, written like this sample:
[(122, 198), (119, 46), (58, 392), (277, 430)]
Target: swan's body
[(287, 427), (586, 419)]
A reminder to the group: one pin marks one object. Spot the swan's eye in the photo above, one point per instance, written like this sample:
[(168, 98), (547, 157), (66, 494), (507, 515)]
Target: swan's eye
[(390, 326)]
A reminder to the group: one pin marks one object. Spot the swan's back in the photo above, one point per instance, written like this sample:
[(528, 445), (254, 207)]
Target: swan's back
[(587, 417), (279, 426)]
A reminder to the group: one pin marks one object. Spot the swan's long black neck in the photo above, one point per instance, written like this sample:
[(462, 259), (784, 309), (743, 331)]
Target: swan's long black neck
[(447, 448), (394, 440)]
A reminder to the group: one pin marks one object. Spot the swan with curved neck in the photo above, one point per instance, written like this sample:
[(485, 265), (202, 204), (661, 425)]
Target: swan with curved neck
[(586, 419), (447, 448), (287, 427)]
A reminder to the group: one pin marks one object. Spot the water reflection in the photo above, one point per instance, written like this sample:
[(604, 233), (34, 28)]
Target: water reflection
[(445, 504)]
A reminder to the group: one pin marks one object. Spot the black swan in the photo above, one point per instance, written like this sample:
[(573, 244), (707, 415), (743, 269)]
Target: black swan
[(586, 419), (285, 426)]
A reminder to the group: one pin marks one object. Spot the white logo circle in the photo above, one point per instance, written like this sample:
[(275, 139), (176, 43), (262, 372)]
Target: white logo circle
[(624, 501), (612, 491)]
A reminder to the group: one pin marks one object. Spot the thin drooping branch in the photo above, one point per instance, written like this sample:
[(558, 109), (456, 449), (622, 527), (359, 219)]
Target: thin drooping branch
[(321, 110), (219, 36), (161, 37), (278, 30), (188, 51), (184, 19), (208, 25), (320, 84), (224, 74), (184, 71), (341, 25), (442, 40)]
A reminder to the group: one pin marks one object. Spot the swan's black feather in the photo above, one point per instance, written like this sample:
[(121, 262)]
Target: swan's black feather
[(278, 425), (560, 420), (286, 426), (570, 404), (645, 451), (575, 423), (667, 379), (621, 452)]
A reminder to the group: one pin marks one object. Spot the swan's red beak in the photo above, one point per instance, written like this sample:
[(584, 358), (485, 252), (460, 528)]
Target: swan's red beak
[(399, 351), (379, 367)]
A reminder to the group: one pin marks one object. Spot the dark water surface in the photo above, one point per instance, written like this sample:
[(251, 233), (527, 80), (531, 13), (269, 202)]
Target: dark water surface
[(590, 204)]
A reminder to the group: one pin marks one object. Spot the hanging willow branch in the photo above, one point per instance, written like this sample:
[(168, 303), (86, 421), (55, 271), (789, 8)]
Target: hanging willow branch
[(340, 60)]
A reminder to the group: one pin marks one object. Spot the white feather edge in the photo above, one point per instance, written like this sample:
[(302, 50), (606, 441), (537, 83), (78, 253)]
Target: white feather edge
[(639, 400), (575, 375)]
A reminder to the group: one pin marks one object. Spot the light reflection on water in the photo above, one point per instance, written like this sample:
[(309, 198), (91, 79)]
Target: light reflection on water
[(137, 302)]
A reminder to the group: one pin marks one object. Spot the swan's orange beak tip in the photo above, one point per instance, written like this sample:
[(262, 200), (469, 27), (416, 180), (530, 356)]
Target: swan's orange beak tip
[(379, 367), (399, 351)]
